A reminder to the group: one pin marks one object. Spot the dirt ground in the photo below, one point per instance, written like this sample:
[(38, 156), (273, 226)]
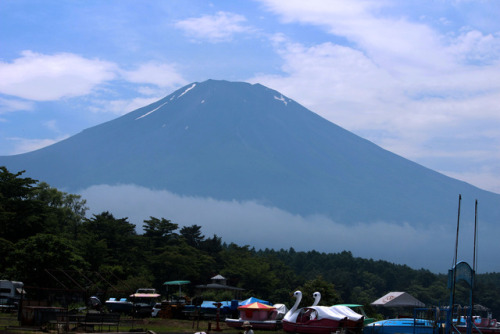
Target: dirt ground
[(9, 324)]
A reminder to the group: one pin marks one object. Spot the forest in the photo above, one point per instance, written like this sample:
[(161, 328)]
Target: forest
[(48, 242)]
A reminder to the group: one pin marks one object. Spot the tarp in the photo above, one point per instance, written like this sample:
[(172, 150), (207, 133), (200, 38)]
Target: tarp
[(282, 309), (334, 313), (211, 304), (348, 312), (398, 299), (257, 306), (253, 300)]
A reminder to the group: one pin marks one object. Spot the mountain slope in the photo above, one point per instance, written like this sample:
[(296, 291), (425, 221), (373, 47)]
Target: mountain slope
[(228, 140)]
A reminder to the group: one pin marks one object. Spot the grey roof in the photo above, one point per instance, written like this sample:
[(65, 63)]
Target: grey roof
[(398, 299), (218, 277)]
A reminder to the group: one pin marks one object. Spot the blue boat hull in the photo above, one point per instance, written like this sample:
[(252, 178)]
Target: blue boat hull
[(401, 326)]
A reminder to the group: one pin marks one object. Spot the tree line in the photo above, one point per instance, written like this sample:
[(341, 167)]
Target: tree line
[(47, 241)]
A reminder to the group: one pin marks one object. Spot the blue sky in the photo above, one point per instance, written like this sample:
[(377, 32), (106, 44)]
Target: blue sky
[(419, 78)]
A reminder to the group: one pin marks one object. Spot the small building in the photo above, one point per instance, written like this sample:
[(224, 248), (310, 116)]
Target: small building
[(219, 282), (219, 279)]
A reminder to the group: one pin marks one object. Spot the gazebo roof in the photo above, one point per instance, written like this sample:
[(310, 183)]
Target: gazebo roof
[(398, 299)]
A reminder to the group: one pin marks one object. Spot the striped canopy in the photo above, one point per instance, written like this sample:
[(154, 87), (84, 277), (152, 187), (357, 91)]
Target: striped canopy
[(256, 306)]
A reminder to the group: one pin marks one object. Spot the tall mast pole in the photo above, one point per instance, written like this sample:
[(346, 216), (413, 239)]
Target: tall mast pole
[(474, 263), (455, 261)]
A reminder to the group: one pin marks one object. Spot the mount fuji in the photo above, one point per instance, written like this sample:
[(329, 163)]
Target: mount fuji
[(250, 164)]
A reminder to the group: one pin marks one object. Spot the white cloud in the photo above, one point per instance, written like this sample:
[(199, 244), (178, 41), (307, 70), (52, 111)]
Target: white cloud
[(159, 74), (399, 83), (23, 145), (484, 178), (51, 125), (267, 227), (388, 41), (475, 46), (220, 27), (338, 82), (9, 105), (121, 107), (317, 10), (41, 77)]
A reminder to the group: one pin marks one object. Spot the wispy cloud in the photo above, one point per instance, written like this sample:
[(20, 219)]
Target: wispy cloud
[(267, 227), (220, 27), (121, 107), (9, 105), (23, 145), (159, 74), (399, 82)]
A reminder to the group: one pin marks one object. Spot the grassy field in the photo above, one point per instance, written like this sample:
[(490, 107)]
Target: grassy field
[(9, 324)]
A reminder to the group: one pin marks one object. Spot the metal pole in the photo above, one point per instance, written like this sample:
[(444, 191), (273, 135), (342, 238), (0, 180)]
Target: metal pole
[(454, 264), (474, 264), (458, 228)]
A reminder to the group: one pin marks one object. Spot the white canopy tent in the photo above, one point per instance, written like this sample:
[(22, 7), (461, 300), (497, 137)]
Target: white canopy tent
[(398, 299)]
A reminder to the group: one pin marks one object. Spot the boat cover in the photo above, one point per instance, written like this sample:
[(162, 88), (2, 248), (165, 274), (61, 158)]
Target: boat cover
[(335, 313), (282, 309), (348, 312)]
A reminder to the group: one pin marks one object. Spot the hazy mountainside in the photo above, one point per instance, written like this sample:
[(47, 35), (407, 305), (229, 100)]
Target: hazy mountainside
[(233, 140)]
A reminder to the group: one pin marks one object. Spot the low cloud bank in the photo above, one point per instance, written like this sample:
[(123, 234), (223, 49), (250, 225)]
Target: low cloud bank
[(250, 223)]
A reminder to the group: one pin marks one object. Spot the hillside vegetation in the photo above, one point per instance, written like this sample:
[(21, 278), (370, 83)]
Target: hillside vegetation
[(47, 242)]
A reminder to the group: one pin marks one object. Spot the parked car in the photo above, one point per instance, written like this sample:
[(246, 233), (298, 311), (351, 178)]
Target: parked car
[(156, 309)]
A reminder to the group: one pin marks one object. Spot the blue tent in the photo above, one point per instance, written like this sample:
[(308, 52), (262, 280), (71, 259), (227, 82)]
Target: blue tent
[(210, 304)]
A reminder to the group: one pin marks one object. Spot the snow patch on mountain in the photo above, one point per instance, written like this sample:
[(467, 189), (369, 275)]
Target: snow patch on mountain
[(282, 99), (152, 111), (187, 90)]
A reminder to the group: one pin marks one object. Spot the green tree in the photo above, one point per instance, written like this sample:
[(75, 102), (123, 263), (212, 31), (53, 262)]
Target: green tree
[(20, 216), (329, 295), (64, 212), (115, 240), (212, 246), (246, 270), (160, 232), (37, 254), (192, 235), (6, 250), (180, 262)]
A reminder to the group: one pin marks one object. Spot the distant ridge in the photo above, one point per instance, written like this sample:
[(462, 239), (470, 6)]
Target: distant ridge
[(238, 141)]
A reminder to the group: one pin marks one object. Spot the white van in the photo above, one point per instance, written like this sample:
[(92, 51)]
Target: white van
[(10, 293)]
